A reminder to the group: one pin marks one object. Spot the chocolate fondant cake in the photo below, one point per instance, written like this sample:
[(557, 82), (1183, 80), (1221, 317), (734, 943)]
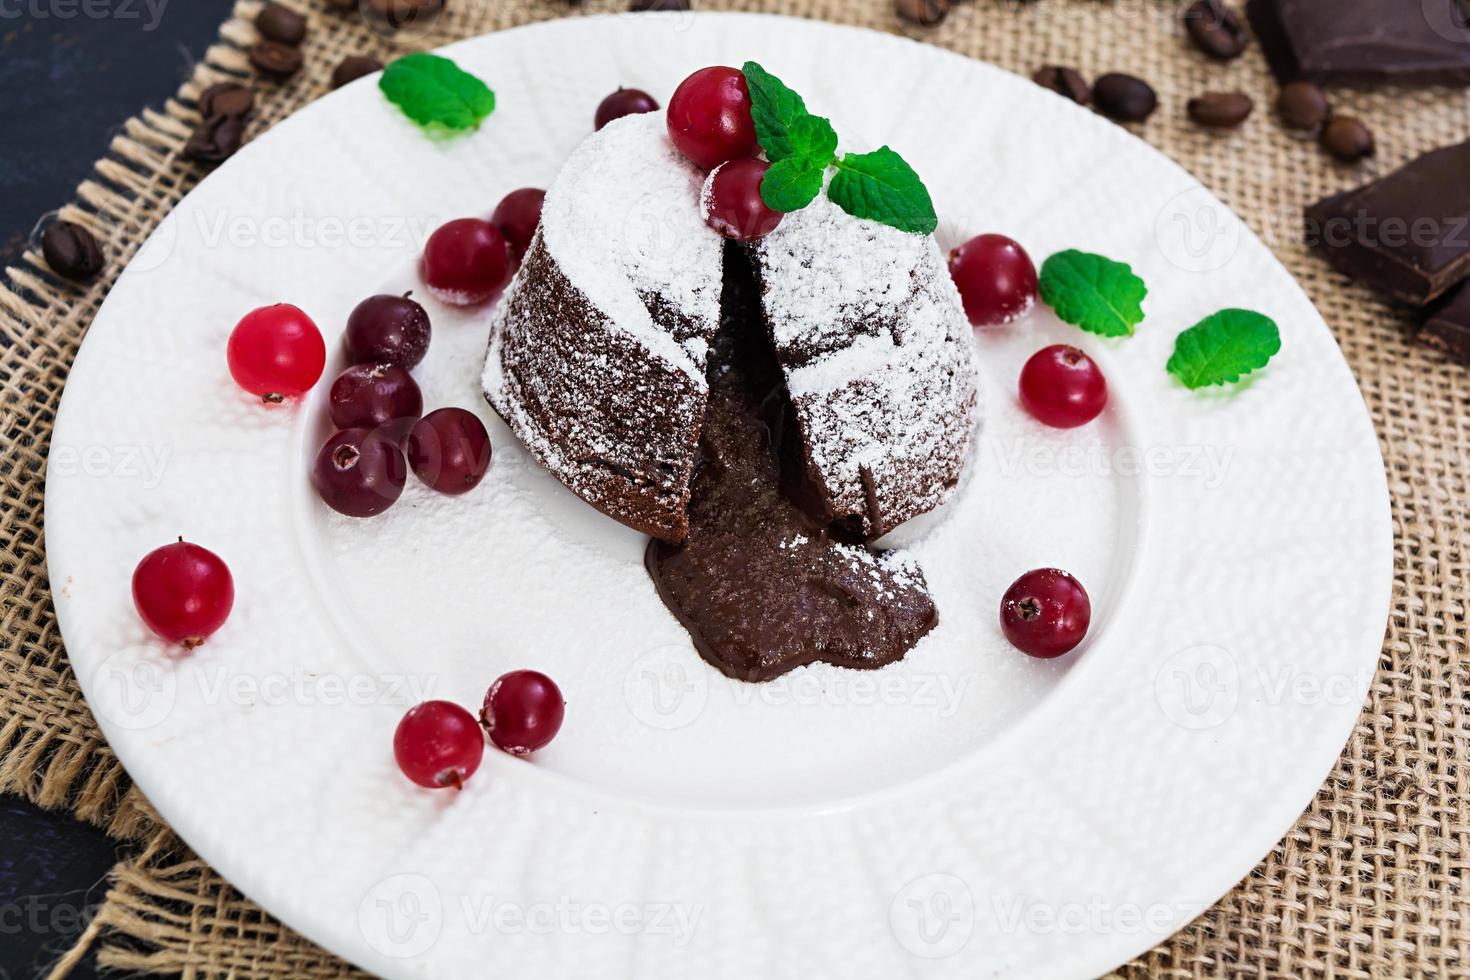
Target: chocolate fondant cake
[(599, 348)]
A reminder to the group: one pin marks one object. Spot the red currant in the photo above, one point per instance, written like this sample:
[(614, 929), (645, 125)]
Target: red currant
[(732, 200), (387, 329), (1045, 613), (1063, 387), (375, 396), (276, 352), (517, 216), (438, 744), (359, 472), (183, 592), (523, 711), (995, 277), (449, 450), (623, 102), (466, 261), (709, 117)]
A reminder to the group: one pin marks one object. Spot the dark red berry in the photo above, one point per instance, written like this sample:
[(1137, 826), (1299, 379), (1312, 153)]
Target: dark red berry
[(466, 261), (523, 711), (995, 277), (517, 216), (732, 200), (359, 472), (388, 329), (709, 117), (438, 744), (183, 592), (276, 352), (375, 396), (1063, 387), (623, 102), (1045, 613), (449, 450)]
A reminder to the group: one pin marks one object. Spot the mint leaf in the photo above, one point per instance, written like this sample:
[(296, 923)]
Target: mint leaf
[(813, 139), (436, 93), (1093, 292), (1223, 347), (791, 184), (881, 186), (774, 107)]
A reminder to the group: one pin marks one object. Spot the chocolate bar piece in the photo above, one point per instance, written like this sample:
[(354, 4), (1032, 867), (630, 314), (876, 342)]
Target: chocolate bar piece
[(1407, 234), (1365, 42), (1448, 326)]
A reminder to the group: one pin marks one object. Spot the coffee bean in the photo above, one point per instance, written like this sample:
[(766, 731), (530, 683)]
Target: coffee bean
[(71, 251), (925, 13), (405, 13), (1064, 81), (1124, 98), (216, 140), (275, 58), (1302, 105), (226, 99), (640, 6), (282, 24), (1215, 29), (1220, 110), (353, 67), (1347, 139)]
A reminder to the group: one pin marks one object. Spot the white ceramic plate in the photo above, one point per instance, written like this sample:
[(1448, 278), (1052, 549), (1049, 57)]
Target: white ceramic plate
[(967, 812)]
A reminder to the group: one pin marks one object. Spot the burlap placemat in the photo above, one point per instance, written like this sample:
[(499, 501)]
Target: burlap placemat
[(1371, 880)]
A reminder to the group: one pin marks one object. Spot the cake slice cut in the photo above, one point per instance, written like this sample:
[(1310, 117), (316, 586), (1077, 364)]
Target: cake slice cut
[(598, 350)]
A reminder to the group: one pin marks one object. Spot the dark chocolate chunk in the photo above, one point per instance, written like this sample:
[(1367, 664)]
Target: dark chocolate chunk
[(1407, 234), (1347, 139), (1302, 105), (226, 99), (1448, 325), (1220, 110), (71, 251), (1365, 42), (275, 58), (1216, 29), (1064, 81), (1124, 97), (353, 67), (926, 13), (277, 22)]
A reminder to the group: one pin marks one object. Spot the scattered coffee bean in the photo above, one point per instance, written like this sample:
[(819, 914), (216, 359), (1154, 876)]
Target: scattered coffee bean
[(282, 24), (404, 13), (226, 99), (275, 58), (1064, 81), (640, 6), (1220, 110), (1124, 98), (1302, 105), (1216, 29), (71, 251), (1347, 139), (216, 140), (925, 13), (353, 67)]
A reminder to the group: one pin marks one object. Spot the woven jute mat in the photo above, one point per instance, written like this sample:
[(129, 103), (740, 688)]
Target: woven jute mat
[(1371, 880)]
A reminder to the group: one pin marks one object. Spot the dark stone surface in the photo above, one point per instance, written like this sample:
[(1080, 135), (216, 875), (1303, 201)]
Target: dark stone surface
[(71, 73)]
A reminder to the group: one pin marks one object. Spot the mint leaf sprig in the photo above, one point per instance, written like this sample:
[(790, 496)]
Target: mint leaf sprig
[(1093, 292), (878, 186), (1224, 347), (436, 93)]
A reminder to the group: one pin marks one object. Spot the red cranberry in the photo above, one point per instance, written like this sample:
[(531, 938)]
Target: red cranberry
[(623, 102), (449, 450), (438, 744), (375, 396), (517, 216), (183, 592), (387, 329), (276, 352), (732, 200), (523, 711), (359, 472), (709, 117), (995, 277), (466, 261), (1063, 387), (1045, 613)]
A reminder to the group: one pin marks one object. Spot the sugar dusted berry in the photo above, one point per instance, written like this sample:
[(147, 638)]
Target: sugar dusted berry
[(523, 711), (732, 200), (517, 216), (623, 102), (183, 592), (375, 396), (276, 352), (438, 744), (995, 277), (466, 261), (449, 450), (709, 117), (359, 472), (388, 329), (1045, 613)]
